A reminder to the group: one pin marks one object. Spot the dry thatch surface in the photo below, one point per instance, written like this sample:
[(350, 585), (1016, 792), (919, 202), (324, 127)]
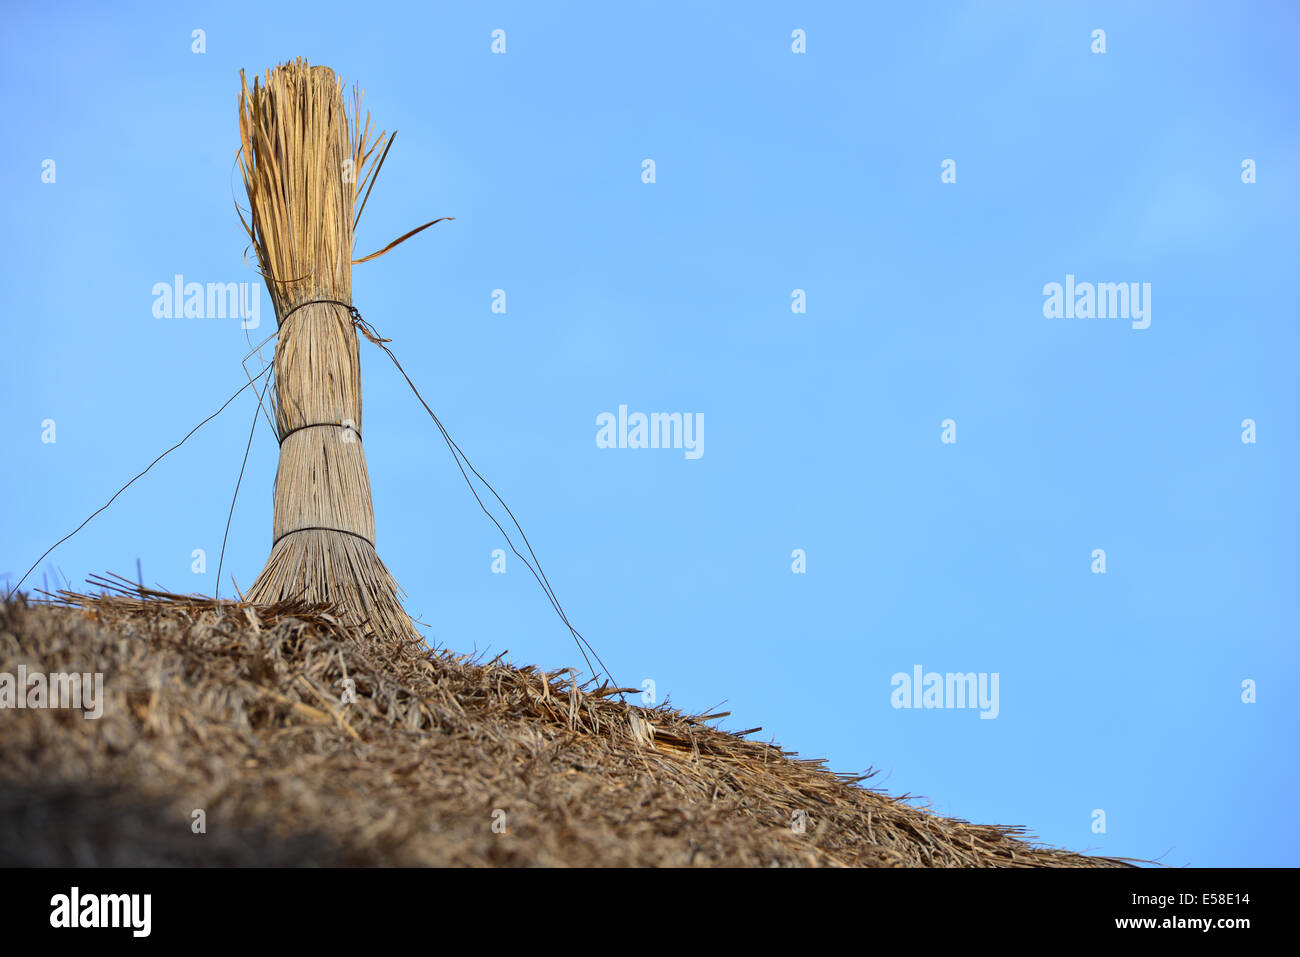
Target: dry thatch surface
[(235, 709)]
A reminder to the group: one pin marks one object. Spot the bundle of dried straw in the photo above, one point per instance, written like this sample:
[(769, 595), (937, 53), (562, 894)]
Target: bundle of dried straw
[(305, 164)]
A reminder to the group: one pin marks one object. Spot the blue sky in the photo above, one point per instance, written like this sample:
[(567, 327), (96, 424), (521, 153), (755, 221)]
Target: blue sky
[(774, 171)]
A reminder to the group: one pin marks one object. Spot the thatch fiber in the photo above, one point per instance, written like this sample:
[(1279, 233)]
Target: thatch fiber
[(304, 166), (239, 710)]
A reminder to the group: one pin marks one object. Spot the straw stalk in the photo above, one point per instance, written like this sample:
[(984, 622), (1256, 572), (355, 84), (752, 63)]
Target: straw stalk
[(304, 166)]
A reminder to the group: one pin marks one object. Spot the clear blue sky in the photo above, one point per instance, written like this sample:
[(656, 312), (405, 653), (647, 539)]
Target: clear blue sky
[(775, 171)]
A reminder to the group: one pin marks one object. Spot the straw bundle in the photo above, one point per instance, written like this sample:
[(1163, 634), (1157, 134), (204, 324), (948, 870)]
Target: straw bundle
[(304, 164)]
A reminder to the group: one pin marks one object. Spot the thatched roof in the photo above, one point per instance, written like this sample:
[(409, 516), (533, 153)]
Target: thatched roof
[(235, 709)]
